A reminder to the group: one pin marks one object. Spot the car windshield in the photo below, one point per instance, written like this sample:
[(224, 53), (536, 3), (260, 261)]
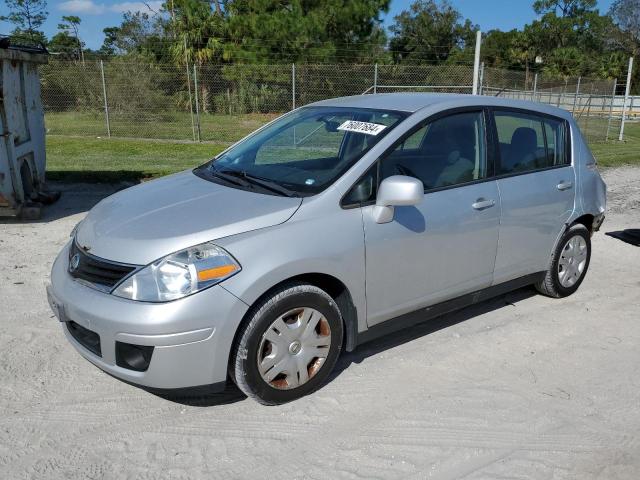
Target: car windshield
[(301, 153)]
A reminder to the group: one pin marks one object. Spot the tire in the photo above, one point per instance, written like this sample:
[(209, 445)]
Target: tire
[(560, 280), (276, 344)]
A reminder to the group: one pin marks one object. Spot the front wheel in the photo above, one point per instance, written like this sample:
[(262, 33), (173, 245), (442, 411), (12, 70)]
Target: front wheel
[(569, 263), (289, 344)]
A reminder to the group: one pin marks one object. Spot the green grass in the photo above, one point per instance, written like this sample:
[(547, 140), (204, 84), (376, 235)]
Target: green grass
[(90, 159), (75, 159), (615, 154), (168, 125)]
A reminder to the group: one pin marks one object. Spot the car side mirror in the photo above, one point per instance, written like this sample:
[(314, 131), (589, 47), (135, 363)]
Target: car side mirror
[(396, 191)]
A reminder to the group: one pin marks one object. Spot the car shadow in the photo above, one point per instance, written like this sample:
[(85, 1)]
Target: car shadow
[(199, 397), (630, 236), (401, 337), (75, 198)]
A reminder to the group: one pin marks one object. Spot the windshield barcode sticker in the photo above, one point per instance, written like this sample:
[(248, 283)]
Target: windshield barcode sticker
[(362, 127)]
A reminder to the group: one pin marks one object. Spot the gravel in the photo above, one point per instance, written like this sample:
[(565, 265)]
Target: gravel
[(522, 386)]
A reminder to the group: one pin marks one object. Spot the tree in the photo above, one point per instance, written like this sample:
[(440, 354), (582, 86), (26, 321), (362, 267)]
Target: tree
[(566, 62), (28, 16), (430, 32), (567, 8), (197, 31), (572, 43), (110, 42), (64, 46), (301, 30), (138, 33), (626, 15), (511, 50), (71, 23)]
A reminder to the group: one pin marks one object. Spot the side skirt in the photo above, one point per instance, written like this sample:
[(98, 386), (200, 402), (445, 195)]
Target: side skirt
[(439, 309)]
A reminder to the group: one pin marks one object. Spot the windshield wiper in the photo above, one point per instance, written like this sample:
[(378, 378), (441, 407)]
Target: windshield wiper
[(263, 182), (230, 178)]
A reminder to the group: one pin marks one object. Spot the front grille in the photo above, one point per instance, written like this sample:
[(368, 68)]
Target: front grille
[(96, 271), (88, 339)]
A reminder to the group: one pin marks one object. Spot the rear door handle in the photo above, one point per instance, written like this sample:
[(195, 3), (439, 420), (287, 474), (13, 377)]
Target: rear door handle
[(564, 186), (481, 204)]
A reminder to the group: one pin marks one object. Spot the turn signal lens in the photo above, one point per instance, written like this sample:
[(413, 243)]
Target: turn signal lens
[(216, 272)]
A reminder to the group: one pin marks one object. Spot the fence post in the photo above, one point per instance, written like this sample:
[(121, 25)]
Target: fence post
[(106, 105), (195, 87), (476, 63), (613, 98), (375, 78), (480, 88), (586, 123), (193, 125), (293, 86), (575, 97), (561, 94), (535, 87), (626, 99)]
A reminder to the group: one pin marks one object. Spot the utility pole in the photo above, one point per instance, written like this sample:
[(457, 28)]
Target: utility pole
[(575, 97), (104, 95), (476, 64), (626, 99), (613, 99), (375, 78), (293, 86)]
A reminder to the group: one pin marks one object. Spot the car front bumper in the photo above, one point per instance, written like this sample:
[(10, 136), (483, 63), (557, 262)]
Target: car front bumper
[(191, 337)]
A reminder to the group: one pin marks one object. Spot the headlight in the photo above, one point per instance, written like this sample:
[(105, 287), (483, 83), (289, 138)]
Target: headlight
[(179, 274)]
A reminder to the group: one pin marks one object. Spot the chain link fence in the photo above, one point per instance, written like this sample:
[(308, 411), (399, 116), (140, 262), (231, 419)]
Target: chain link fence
[(222, 103)]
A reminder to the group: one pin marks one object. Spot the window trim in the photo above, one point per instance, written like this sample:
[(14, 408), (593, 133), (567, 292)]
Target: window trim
[(523, 111), (489, 152), (492, 148)]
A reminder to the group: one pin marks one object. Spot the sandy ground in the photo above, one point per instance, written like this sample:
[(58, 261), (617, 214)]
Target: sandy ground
[(519, 387)]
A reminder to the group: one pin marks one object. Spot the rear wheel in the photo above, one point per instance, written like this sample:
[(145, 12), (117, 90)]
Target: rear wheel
[(569, 263), (289, 344)]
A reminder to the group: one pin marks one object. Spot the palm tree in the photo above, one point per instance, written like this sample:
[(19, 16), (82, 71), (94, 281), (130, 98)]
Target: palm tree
[(198, 31)]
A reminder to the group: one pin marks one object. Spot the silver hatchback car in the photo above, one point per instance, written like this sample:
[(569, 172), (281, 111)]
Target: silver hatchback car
[(334, 224)]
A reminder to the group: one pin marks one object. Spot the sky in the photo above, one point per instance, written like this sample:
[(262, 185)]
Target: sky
[(98, 14)]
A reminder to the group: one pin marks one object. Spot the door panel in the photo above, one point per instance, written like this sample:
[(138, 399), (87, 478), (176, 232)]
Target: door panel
[(535, 207), (539, 196), (440, 249)]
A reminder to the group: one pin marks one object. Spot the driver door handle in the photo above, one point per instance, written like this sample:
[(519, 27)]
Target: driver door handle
[(564, 185), (481, 204)]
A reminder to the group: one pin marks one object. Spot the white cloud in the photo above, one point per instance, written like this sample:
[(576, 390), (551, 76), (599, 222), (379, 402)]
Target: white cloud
[(89, 7), (82, 6)]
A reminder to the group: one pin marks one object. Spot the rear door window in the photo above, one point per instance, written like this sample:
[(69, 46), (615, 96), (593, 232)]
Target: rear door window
[(529, 142)]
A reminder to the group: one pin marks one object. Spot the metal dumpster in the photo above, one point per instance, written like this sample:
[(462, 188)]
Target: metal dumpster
[(22, 133)]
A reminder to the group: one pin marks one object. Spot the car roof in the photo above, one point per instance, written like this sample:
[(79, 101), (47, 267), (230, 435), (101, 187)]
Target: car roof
[(412, 102)]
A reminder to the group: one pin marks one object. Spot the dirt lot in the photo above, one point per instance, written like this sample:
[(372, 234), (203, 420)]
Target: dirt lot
[(519, 387)]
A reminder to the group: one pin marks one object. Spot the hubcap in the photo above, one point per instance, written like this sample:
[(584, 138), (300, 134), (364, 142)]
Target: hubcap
[(573, 259), (294, 348)]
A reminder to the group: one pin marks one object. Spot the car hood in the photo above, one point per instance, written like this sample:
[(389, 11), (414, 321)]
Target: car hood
[(146, 222)]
